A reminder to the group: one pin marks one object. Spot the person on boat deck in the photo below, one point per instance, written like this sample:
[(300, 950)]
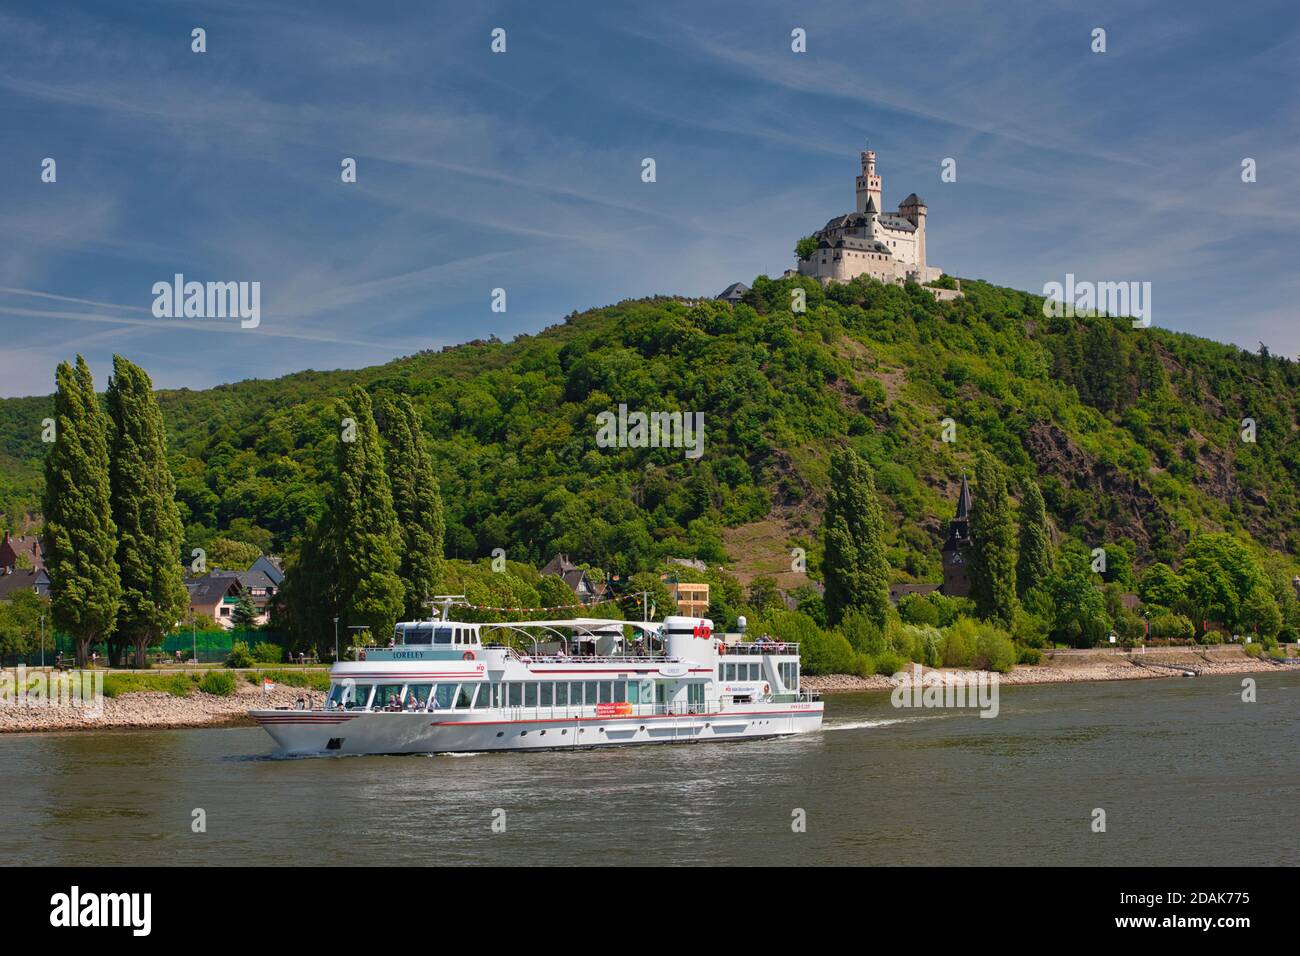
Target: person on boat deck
[(394, 703), (411, 702)]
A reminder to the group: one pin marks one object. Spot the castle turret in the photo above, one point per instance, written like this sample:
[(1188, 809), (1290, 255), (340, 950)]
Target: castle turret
[(869, 182), (913, 210)]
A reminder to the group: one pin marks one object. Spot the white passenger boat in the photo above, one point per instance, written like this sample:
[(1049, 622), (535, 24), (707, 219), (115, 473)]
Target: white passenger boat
[(448, 687)]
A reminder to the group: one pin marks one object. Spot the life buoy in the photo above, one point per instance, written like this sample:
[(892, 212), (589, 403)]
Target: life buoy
[(467, 656)]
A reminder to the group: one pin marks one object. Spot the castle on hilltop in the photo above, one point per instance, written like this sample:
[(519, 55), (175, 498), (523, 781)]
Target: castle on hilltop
[(888, 247)]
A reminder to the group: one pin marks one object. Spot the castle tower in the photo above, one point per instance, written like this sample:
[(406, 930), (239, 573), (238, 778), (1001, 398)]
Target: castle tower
[(869, 183), (956, 549), (913, 209)]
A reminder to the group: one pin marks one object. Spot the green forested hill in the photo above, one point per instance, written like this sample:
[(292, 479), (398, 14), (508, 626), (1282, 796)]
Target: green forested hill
[(1133, 434)]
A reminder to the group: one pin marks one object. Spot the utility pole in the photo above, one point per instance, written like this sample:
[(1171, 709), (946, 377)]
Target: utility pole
[(42, 640), (336, 640)]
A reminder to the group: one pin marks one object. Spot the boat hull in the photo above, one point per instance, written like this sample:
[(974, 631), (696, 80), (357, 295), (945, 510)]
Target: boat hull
[(334, 732)]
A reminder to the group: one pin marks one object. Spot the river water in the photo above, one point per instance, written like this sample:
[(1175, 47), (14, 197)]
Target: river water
[(1186, 772)]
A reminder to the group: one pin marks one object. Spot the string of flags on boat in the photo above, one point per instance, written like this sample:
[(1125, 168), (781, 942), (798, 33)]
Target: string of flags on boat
[(556, 607)]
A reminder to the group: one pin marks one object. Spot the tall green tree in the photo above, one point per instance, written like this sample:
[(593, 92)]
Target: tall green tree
[(1034, 558), (143, 495), (417, 501), (993, 536), (80, 537), (363, 529), (854, 565)]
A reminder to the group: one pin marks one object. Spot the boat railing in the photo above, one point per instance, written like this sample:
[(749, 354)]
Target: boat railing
[(758, 647)]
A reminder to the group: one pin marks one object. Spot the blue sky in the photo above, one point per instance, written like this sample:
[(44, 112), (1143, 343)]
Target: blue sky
[(522, 170)]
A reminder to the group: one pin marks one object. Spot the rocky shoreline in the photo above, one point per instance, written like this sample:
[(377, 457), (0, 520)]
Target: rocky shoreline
[(157, 710), (1077, 667)]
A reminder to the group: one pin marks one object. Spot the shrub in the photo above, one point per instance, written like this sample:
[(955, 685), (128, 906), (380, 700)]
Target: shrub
[(915, 609), (178, 685), (890, 663), (926, 644), (264, 652), (958, 648), (994, 650), (239, 655), (218, 683), (863, 634), (312, 679), (1028, 655)]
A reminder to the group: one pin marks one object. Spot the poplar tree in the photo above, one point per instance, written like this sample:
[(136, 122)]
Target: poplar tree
[(993, 537), (417, 502), (362, 524), (1034, 560), (854, 564), (79, 538), (143, 495)]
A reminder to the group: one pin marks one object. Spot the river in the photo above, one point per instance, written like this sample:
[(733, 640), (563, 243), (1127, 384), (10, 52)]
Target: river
[(1186, 772)]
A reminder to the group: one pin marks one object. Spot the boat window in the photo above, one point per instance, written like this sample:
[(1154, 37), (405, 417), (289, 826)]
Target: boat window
[(547, 698), (516, 694), (465, 697), (420, 692), (530, 694), (387, 695), (442, 697), (355, 696), (562, 694), (483, 699), (620, 692), (418, 635), (634, 692), (593, 692), (442, 635), (575, 693)]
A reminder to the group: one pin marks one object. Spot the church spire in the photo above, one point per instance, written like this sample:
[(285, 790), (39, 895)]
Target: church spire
[(963, 499)]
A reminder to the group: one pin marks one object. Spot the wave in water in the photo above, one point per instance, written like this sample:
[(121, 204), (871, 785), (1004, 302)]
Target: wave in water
[(862, 724)]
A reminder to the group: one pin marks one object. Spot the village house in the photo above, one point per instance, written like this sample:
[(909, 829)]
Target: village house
[(22, 566), (576, 578)]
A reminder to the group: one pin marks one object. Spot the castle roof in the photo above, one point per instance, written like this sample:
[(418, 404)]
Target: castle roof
[(897, 223), (912, 200), (850, 220), (866, 245)]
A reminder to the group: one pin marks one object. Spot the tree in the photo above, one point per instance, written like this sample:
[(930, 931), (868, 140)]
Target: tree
[(855, 568), (417, 503), (993, 558), (20, 623), (1161, 587), (143, 496), (362, 527), (660, 598), (245, 613), (230, 555), (1034, 558), (80, 537), (1079, 606), (1221, 579), (764, 594), (805, 247)]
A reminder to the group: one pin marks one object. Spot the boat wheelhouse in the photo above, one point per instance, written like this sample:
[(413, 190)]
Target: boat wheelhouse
[(445, 687)]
